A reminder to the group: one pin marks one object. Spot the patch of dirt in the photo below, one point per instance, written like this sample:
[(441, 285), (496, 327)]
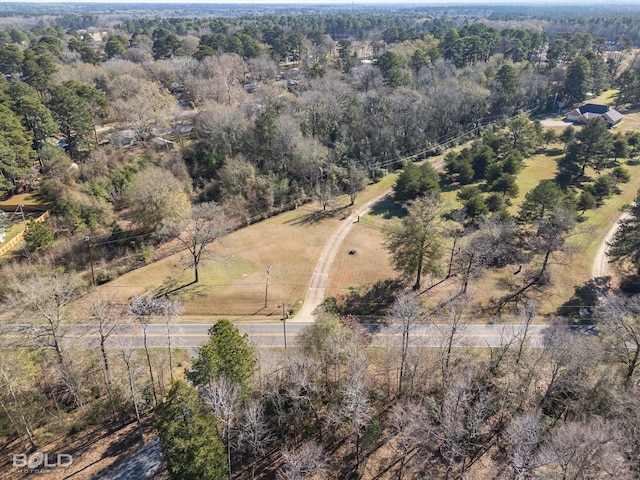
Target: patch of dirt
[(93, 451)]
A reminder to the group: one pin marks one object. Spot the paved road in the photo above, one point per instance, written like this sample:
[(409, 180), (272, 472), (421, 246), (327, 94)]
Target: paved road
[(267, 335)]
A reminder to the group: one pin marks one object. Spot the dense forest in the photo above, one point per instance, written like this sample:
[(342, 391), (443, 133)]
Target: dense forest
[(139, 131)]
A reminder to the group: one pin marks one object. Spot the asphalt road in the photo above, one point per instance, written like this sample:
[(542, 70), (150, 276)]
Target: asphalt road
[(272, 335)]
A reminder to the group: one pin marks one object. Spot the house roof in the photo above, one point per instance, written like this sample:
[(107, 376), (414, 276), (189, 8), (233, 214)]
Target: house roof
[(593, 110), (613, 116), (161, 141)]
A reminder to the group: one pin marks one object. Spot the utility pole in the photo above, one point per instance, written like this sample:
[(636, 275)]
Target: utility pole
[(89, 246), (266, 287), (284, 325)]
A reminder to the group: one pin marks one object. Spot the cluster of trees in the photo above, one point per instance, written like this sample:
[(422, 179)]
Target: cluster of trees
[(483, 234), (414, 411), (432, 82), (238, 411), (329, 126)]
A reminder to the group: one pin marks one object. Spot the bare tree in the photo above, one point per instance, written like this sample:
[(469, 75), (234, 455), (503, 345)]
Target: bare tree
[(224, 72), (143, 106), (223, 127), (465, 430), (127, 354), (524, 437), (355, 409), (407, 311), (452, 315), (41, 300), (156, 197), (581, 450), (562, 371), (294, 393), (619, 324), (356, 182), (170, 310), (254, 433), (330, 343), (413, 432), (527, 315), (325, 193), (544, 241), (14, 366), (222, 396), (206, 224), (302, 463), (106, 315), (143, 308)]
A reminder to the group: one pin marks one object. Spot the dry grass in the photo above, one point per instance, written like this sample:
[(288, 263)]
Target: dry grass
[(27, 199), (292, 242), (367, 266), (93, 450), (13, 231), (235, 284)]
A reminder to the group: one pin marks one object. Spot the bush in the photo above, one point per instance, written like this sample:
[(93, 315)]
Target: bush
[(37, 236)]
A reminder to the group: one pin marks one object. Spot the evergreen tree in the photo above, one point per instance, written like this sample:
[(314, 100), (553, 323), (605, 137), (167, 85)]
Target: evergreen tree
[(16, 155), (625, 245), (188, 436), (416, 244), (579, 80), (545, 197), (227, 353), (415, 181)]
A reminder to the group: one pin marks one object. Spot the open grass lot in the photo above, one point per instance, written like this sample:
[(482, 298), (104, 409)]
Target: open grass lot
[(235, 283), (359, 271), (27, 199), (292, 242), (12, 232)]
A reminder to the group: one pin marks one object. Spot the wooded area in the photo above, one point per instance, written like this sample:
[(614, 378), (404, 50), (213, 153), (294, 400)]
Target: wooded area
[(148, 134)]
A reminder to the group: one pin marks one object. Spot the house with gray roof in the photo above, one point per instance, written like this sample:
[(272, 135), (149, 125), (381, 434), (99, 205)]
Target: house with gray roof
[(588, 111)]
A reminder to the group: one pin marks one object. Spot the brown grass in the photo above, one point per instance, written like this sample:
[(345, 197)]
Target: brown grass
[(235, 284), (368, 265), (292, 242)]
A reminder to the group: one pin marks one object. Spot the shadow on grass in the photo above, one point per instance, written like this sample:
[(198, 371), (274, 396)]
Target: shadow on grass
[(173, 286), (585, 299), (318, 216), (387, 209), (553, 152), (367, 301)]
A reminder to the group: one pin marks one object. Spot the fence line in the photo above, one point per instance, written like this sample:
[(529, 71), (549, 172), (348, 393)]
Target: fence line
[(14, 241)]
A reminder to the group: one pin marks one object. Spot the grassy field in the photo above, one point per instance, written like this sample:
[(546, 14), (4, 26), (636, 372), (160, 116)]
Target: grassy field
[(234, 284), (292, 242)]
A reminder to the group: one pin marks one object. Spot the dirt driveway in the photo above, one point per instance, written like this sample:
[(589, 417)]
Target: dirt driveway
[(556, 122)]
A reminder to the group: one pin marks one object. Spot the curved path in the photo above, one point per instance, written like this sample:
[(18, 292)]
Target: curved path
[(320, 277), (600, 265)]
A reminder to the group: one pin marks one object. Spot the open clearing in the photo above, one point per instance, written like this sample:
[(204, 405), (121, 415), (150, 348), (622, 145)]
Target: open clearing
[(291, 243)]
